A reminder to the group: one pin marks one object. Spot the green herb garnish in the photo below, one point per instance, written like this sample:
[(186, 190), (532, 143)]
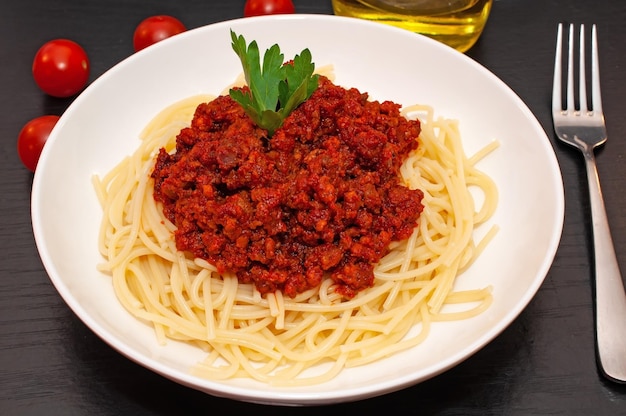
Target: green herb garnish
[(277, 88)]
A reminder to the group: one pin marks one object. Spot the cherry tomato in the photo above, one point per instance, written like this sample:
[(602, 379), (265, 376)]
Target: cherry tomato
[(263, 7), (32, 138), (155, 29), (61, 68)]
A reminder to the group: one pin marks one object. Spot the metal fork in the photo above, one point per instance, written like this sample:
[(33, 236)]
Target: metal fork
[(585, 129)]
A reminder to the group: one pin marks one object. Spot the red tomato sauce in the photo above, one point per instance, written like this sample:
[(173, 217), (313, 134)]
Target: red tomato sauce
[(320, 199)]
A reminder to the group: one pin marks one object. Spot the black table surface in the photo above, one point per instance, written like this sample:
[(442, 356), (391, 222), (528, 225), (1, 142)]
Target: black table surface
[(543, 363)]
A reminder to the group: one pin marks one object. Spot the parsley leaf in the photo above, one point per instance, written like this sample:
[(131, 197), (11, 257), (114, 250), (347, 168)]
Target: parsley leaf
[(276, 88)]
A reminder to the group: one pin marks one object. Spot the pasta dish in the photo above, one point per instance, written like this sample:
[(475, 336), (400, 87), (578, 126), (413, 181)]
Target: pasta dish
[(308, 335)]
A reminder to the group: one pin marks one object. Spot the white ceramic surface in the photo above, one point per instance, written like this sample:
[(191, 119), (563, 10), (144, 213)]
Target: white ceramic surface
[(103, 124)]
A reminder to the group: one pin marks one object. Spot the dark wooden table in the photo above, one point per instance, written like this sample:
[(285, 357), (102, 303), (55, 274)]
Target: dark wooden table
[(51, 363)]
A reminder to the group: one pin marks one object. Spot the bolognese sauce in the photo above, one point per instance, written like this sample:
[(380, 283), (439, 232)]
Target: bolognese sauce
[(320, 199)]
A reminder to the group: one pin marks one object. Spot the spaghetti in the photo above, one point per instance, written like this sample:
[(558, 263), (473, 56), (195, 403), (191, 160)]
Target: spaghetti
[(276, 339)]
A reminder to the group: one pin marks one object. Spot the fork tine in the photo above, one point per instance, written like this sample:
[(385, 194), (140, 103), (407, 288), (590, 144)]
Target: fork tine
[(557, 106), (570, 70), (595, 72), (582, 82)]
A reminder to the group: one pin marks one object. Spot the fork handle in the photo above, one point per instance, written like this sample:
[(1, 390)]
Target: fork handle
[(610, 298)]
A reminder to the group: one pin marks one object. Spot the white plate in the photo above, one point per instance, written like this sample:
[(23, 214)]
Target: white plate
[(103, 124)]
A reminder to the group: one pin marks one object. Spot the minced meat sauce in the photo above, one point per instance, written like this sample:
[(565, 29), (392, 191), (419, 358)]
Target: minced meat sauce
[(319, 199)]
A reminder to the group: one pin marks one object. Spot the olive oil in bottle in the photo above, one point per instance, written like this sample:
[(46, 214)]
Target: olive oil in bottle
[(457, 23)]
